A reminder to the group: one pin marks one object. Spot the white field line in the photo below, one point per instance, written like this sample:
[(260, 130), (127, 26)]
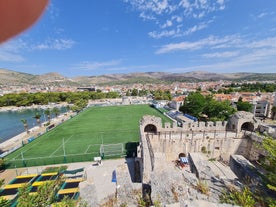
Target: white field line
[(61, 146), (40, 140), (86, 151)]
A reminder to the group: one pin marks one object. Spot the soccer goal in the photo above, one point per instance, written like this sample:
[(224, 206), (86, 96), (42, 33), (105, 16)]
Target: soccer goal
[(109, 150)]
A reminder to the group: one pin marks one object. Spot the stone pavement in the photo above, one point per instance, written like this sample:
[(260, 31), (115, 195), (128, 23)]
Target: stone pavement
[(97, 176)]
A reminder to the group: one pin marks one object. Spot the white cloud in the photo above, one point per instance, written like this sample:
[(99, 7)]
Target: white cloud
[(262, 14), (53, 11), (146, 17), (245, 54), (195, 28), (226, 54), (206, 42), (10, 51), (86, 65), (113, 66), (268, 42), (14, 45), (165, 13), (255, 61), (177, 18), (178, 32), (55, 44), (10, 57), (123, 69), (14, 50), (167, 24), (258, 56), (164, 33), (222, 4)]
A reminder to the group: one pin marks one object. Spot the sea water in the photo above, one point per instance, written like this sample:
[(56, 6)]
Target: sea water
[(11, 125)]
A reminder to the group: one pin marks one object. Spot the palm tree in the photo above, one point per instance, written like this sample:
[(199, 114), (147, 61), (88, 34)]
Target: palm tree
[(56, 111), (37, 117), (25, 123), (48, 113)]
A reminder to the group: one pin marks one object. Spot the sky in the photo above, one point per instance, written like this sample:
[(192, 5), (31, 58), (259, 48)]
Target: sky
[(97, 37)]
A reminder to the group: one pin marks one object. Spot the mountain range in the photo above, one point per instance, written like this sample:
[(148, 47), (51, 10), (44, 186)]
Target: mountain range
[(10, 77)]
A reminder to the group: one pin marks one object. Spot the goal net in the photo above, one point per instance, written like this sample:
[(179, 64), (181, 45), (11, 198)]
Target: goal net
[(109, 150)]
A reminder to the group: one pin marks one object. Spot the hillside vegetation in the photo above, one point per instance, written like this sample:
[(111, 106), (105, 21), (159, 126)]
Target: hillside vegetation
[(9, 77)]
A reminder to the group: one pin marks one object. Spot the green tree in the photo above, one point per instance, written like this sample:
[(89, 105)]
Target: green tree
[(56, 111), (243, 105), (143, 92), (2, 167), (134, 92), (4, 202), (38, 98), (79, 105), (193, 104), (37, 116), (218, 110), (45, 194), (24, 198), (112, 95), (44, 197), (197, 105), (269, 144), (47, 112), (25, 124)]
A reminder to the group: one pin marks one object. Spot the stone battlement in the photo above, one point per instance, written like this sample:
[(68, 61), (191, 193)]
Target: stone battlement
[(186, 126)]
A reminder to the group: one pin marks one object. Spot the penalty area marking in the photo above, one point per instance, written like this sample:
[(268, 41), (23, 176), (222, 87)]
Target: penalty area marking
[(87, 149), (61, 146)]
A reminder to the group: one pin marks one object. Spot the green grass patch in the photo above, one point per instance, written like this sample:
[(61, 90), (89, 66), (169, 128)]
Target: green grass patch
[(79, 139)]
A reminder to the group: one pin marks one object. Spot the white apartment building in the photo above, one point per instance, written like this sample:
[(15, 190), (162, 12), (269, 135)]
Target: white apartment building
[(262, 109)]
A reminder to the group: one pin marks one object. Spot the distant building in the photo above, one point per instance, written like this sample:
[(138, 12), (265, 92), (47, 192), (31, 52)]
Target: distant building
[(86, 89), (273, 113), (261, 109), (177, 102), (223, 97)]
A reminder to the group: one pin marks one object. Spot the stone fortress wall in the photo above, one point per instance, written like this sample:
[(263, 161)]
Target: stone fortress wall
[(218, 140)]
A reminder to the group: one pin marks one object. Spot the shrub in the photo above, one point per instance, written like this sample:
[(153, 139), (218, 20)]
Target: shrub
[(203, 149), (55, 169), (202, 187), (244, 198)]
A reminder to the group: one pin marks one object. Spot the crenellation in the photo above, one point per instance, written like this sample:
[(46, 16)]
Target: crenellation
[(203, 126)]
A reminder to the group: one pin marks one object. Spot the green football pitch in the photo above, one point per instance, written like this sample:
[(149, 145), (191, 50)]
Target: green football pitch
[(98, 131)]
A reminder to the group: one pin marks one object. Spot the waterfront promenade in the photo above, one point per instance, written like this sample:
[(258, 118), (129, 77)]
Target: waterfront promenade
[(16, 142)]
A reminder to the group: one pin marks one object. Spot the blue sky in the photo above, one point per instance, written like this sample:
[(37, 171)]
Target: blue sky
[(95, 37)]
